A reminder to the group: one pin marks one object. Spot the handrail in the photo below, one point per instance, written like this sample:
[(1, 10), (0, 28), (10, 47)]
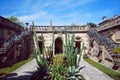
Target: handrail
[(13, 40), (102, 39)]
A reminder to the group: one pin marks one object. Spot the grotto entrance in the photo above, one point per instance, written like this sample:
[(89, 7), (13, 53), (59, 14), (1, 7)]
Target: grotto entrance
[(78, 43), (40, 43), (58, 45)]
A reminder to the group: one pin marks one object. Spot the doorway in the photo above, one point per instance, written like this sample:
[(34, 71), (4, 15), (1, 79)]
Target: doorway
[(40, 43), (58, 45)]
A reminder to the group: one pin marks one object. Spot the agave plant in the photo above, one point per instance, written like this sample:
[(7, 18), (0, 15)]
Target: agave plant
[(74, 73), (72, 59)]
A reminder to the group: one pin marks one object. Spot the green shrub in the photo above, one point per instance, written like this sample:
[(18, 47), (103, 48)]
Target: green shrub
[(58, 72), (58, 69), (58, 59), (117, 50)]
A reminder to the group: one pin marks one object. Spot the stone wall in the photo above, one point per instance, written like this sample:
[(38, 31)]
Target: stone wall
[(16, 44), (48, 37)]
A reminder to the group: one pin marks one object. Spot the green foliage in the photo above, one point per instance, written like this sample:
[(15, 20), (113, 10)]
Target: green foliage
[(117, 50), (58, 72), (71, 52), (83, 26), (92, 24), (115, 75), (40, 57), (16, 20), (58, 59), (13, 18), (73, 74), (73, 60), (58, 69), (52, 39)]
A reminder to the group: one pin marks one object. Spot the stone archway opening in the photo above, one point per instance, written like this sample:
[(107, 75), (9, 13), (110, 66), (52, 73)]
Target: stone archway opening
[(58, 45), (78, 43), (40, 43)]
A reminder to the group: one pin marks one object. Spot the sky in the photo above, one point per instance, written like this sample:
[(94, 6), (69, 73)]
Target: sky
[(60, 12)]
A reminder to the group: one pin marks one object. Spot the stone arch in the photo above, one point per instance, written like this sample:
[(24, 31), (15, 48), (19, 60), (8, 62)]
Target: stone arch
[(58, 45), (40, 43)]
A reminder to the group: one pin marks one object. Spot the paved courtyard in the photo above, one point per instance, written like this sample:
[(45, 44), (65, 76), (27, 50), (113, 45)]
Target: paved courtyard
[(91, 73), (25, 72)]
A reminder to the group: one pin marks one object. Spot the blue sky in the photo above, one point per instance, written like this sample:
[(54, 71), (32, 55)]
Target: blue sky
[(61, 12)]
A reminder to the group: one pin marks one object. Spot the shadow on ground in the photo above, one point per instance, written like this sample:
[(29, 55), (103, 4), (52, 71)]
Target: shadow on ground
[(15, 76)]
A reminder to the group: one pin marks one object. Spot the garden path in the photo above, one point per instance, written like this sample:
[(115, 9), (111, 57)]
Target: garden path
[(92, 73), (25, 72)]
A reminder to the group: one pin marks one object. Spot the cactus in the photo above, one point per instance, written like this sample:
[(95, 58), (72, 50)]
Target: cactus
[(40, 57), (72, 59), (53, 39), (70, 53)]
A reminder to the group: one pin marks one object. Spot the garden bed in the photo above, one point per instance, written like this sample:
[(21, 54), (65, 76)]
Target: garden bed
[(57, 70), (64, 66)]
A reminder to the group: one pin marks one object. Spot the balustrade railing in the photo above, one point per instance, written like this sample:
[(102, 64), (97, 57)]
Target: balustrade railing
[(109, 25), (57, 28), (14, 39), (102, 39)]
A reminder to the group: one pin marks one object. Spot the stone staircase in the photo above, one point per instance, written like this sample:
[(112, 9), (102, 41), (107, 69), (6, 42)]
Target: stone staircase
[(108, 45), (102, 39), (11, 48)]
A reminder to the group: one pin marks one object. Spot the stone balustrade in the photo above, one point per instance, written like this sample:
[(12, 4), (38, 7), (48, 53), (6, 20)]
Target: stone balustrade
[(61, 28), (109, 25), (102, 39)]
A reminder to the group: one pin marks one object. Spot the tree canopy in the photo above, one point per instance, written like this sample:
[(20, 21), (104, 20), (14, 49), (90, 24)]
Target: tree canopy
[(75, 25), (13, 18), (92, 24), (16, 20)]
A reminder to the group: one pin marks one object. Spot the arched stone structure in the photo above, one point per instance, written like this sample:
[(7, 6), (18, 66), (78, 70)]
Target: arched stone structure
[(40, 43), (58, 45)]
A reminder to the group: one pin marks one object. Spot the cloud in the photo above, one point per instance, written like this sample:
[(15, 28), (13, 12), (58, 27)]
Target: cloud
[(60, 11), (46, 4), (32, 16), (71, 5)]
